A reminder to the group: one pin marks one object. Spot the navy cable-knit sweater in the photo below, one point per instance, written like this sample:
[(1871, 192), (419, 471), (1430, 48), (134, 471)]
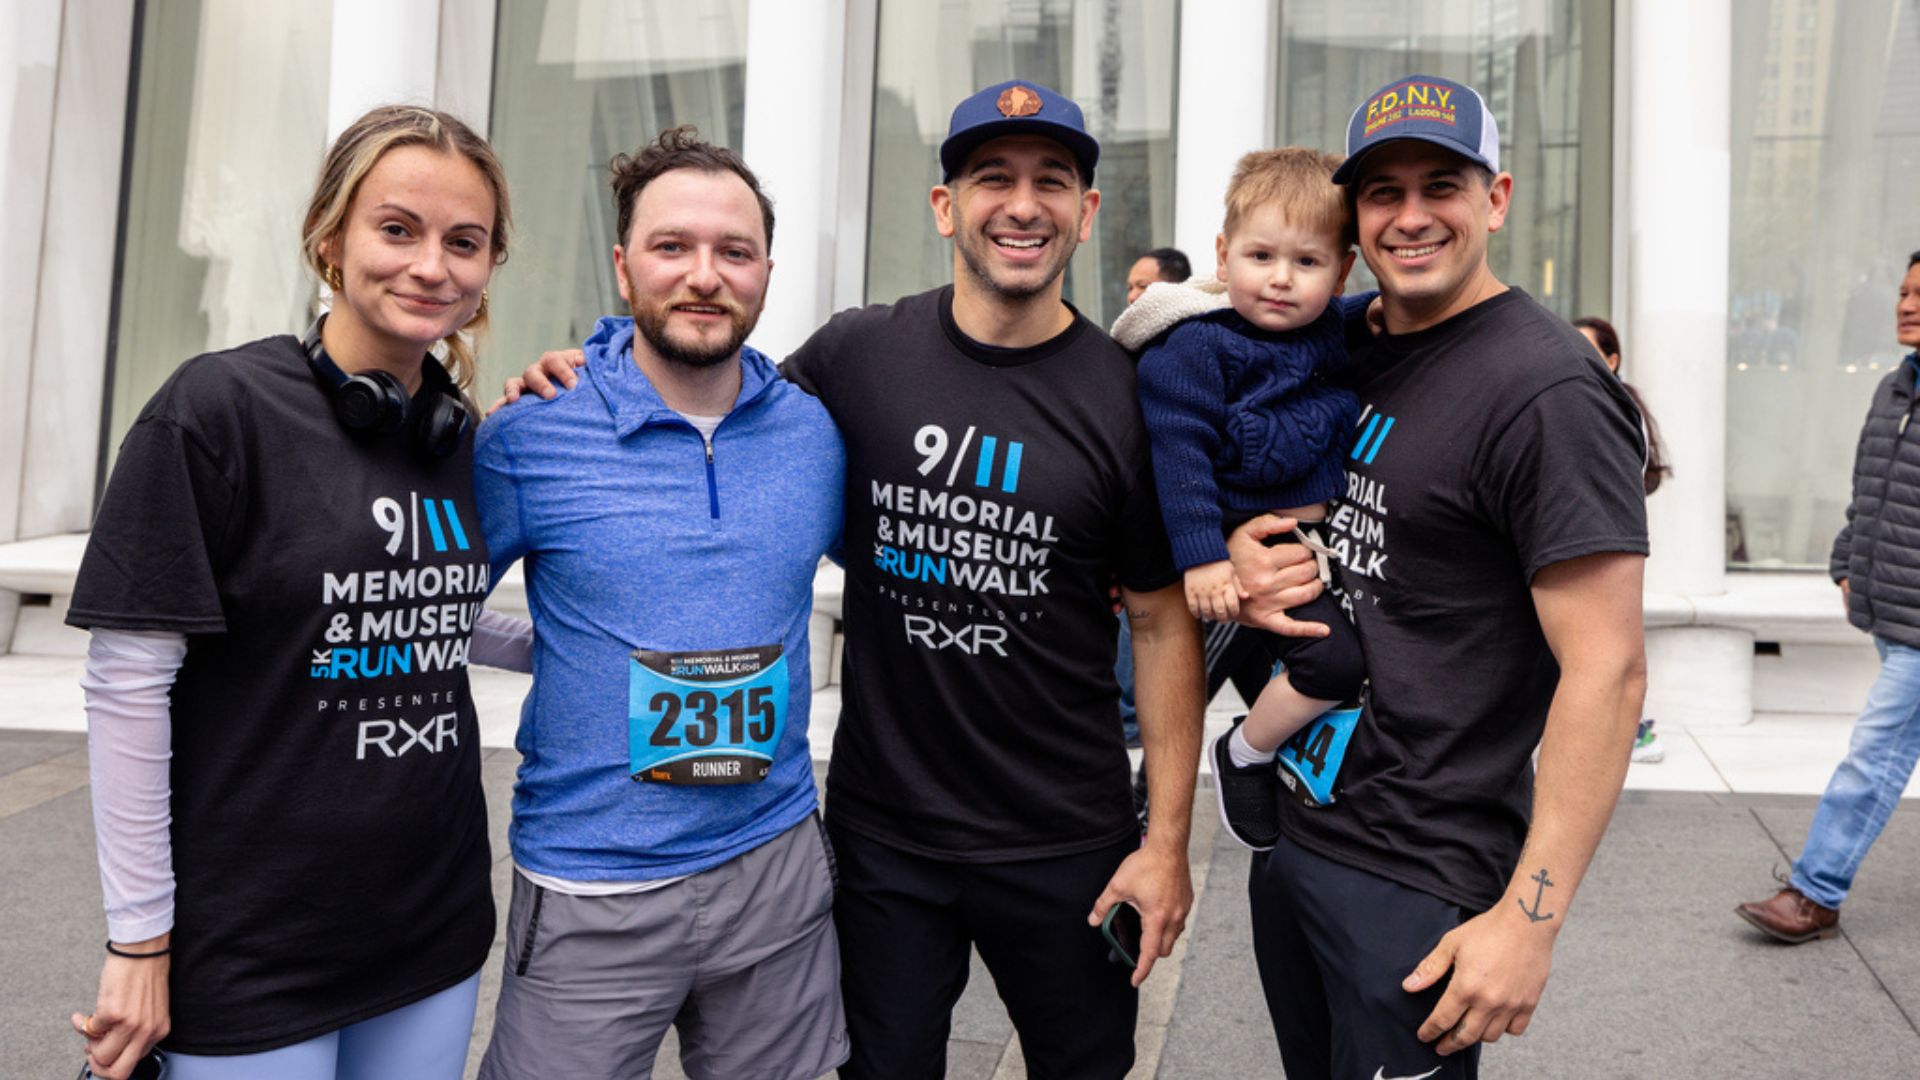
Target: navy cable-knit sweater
[(1246, 420)]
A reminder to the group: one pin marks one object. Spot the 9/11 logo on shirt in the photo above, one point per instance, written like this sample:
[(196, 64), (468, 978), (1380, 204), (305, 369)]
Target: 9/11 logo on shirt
[(1374, 428)]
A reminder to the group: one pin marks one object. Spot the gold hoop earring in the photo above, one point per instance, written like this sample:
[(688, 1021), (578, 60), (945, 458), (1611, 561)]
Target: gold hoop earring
[(333, 278)]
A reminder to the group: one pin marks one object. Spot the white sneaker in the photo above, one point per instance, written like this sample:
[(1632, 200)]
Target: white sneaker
[(1647, 748)]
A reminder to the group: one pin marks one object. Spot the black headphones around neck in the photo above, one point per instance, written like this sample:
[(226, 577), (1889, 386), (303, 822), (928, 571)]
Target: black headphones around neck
[(375, 403)]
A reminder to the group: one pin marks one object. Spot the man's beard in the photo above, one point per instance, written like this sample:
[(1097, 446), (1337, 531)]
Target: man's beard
[(652, 325), (981, 272)]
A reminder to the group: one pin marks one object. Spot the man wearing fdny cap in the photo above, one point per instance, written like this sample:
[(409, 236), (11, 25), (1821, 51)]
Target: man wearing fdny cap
[(1493, 539), (997, 481)]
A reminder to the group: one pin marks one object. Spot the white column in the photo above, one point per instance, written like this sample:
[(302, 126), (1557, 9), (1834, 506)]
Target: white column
[(29, 70), (855, 161), (463, 81), (1678, 204), (76, 256), (385, 52), (796, 62), (1226, 100)]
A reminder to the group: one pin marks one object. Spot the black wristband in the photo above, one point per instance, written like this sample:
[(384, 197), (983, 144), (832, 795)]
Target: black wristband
[(118, 951)]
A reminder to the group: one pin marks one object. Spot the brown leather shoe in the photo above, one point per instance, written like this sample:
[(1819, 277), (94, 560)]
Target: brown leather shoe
[(1790, 917)]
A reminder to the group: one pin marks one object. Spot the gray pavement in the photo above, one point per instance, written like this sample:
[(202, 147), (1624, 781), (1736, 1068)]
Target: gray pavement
[(1653, 977)]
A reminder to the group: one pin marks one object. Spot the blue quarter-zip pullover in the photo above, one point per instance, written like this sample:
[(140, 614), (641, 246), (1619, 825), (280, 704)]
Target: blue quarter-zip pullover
[(639, 535)]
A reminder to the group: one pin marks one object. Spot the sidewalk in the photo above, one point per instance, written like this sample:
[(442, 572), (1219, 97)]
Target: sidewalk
[(1654, 976)]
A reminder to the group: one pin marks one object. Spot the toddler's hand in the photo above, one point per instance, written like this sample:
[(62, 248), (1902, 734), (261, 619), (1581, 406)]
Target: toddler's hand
[(1213, 592)]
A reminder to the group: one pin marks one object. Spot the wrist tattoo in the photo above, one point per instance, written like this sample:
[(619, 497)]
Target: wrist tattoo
[(1539, 896)]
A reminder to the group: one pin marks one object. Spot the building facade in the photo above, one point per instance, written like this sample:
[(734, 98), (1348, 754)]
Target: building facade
[(1711, 177)]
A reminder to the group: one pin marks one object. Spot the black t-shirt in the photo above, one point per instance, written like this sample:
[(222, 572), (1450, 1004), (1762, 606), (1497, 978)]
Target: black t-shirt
[(329, 829), (992, 496), (1489, 447)]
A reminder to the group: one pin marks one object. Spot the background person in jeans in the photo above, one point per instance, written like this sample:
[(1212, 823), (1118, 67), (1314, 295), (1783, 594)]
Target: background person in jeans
[(1876, 583)]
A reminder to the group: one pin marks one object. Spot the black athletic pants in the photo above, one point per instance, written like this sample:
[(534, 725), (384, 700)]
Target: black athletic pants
[(1237, 653), (905, 924), (1332, 943), (1330, 668)]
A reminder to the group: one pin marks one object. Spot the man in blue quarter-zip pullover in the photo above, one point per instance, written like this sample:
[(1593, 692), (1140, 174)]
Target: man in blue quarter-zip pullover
[(670, 867)]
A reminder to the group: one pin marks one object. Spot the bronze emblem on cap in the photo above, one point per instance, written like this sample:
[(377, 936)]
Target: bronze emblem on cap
[(1018, 101)]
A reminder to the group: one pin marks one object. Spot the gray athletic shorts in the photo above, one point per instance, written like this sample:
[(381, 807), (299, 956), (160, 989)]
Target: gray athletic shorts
[(741, 959)]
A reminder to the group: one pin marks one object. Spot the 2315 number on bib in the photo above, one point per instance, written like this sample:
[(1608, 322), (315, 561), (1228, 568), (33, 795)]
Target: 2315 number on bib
[(710, 716)]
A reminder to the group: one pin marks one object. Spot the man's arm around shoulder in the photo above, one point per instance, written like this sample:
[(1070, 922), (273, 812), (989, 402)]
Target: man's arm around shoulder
[(1590, 612)]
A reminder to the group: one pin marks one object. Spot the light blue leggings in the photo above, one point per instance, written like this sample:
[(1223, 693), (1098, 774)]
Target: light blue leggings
[(426, 1040)]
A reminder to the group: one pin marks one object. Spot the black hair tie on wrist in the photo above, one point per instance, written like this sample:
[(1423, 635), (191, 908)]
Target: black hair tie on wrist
[(118, 951)]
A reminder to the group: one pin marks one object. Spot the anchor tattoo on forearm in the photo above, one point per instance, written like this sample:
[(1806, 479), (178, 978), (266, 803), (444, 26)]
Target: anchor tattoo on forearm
[(1534, 912)]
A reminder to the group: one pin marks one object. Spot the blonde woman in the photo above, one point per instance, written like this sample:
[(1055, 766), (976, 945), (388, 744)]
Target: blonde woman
[(281, 586)]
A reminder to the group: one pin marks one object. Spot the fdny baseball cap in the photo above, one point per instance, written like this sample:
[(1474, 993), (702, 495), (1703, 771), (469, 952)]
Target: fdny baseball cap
[(1017, 107), (1425, 107)]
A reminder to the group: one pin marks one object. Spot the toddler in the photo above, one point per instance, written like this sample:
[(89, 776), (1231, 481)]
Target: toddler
[(1236, 385)]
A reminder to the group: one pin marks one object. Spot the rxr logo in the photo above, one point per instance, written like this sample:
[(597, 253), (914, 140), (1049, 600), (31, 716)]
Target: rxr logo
[(972, 639), (434, 735)]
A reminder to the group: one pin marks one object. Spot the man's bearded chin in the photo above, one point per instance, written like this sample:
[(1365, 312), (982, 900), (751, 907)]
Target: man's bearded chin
[(983, 276), (652, 325)]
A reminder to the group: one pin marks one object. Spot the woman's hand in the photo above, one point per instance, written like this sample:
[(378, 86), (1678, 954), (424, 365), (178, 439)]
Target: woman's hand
[(131, 1013)]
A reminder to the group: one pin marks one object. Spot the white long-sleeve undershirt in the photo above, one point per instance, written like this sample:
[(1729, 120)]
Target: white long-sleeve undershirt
[(127, 680), (502, 641)]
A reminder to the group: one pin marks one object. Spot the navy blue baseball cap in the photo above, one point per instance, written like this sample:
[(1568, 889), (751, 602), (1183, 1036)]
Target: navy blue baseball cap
[(1425, 107), (1017, 107)]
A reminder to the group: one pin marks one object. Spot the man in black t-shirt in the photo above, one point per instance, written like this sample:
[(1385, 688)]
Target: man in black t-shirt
[(997, 481), (1493, 537)]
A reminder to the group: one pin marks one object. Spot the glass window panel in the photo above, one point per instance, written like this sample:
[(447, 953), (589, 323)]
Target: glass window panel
[(229, 127), (1545, 68), (576, 82), (1115, 58), (1823, 221)]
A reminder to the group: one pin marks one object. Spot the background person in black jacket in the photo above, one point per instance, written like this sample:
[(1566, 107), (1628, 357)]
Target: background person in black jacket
[(1877, 582)]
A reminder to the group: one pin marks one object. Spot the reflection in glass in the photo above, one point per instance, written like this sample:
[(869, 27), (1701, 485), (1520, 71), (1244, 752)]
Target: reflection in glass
[(1826, 144), (229, 127), (576, 82), (1115, 58), (1545, 68)]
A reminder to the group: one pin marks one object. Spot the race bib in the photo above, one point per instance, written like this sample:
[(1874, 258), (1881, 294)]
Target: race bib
[(1310, 761), (712, 716)]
